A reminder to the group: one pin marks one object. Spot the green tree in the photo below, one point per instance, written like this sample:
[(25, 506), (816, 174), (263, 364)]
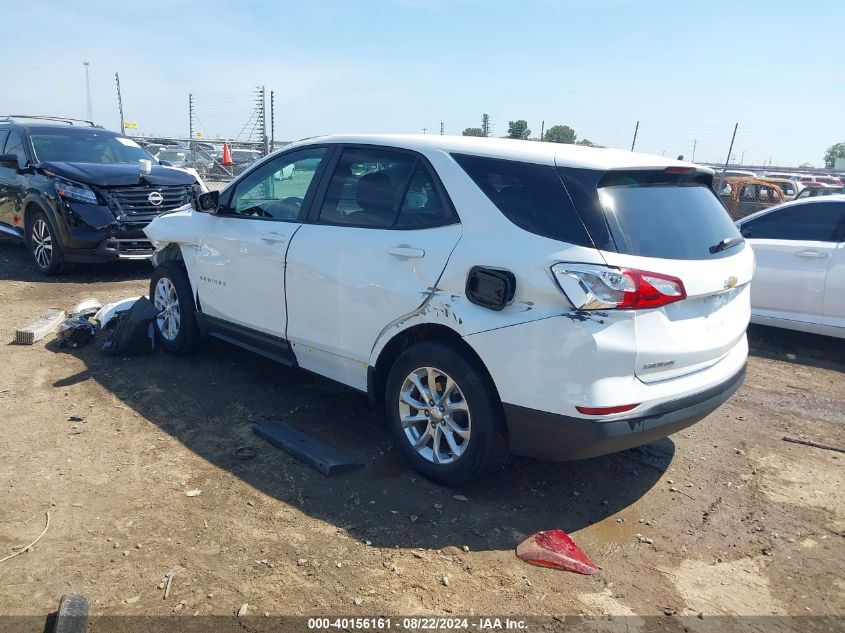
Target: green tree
[(833, 152), (588, 143), (560, 134), (518, 129), (473, 131)]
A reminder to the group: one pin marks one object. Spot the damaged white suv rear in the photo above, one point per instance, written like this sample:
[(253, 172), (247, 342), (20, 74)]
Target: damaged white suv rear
[(496, 295)]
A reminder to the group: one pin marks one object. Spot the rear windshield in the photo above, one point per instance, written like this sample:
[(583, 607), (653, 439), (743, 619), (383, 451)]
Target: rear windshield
[(650, 215)]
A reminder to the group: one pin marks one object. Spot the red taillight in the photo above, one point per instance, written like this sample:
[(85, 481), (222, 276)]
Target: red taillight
[(622, 408), (679, 170), (598, 287), (653, 290)]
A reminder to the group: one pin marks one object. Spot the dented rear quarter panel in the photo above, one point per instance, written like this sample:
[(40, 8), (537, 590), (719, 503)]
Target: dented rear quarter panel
[(489, 239)]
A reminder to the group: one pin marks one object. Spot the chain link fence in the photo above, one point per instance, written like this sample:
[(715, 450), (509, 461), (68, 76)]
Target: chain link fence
[(216, 161)]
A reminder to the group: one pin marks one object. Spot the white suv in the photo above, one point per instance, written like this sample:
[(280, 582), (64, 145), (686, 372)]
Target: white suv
[(555, 300)]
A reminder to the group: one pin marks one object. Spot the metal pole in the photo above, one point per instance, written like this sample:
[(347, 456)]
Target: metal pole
[(634, 142), (191, 125), (272, 123), (90, 106), (727, 160), (120, 104), (542, 129), (694, 143)]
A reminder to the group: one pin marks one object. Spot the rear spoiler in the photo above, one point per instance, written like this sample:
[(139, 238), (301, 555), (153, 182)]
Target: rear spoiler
[(644, 176)]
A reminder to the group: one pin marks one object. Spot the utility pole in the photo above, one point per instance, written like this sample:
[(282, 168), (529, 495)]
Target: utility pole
[(634, 142), (272, 123), (742, 160), (485, 125), (90, 106), (542, 129), (727, 161), (442, 129), (694, 143), (425, 129), (119, 103), (191, 118)]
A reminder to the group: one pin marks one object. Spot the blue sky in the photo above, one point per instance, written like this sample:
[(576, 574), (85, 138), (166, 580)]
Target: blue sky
[(685, 70)]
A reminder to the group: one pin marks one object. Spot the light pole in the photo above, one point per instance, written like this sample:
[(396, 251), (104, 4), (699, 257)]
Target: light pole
[(90, 110)]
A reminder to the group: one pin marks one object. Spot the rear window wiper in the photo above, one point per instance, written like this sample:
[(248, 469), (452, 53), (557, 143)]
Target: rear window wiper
[(725, 244)]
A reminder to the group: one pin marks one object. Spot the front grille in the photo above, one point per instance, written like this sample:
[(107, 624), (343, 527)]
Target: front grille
[(134, 202)]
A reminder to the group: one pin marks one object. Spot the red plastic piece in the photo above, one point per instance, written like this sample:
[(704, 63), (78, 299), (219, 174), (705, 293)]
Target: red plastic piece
[(554, 548)]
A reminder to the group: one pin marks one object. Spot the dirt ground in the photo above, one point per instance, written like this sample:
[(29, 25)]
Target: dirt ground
[(741, 521)]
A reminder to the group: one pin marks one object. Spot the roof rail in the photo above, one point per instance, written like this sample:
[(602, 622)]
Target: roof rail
[(62, 119)]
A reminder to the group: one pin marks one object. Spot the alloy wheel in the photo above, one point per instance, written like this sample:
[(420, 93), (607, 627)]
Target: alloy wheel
[(434, 415), (170, 315), (42, 243)]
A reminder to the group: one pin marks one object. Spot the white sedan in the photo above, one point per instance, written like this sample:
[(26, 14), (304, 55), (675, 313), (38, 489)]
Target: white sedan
[(800, 279)]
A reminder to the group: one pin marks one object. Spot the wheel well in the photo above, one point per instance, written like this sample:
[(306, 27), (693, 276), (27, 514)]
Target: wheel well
[(30, 210), (170, 253), (377, 380)]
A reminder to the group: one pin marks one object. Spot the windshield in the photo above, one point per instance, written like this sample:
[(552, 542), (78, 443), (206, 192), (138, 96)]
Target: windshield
[(86, 146), (681, 220)]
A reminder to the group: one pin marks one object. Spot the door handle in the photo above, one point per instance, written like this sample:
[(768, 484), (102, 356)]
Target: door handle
[(406, 252), (811, 254), (273, 238)]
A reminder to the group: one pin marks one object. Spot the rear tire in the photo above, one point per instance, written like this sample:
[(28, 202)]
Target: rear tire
[(176, 327), (461, 436), (43, 243)]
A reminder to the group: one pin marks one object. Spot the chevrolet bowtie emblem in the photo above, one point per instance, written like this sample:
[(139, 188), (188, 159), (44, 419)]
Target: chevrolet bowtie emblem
[(730, 282)]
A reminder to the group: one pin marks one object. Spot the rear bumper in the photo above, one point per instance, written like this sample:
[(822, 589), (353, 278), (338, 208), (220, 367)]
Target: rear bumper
[(559, 437)]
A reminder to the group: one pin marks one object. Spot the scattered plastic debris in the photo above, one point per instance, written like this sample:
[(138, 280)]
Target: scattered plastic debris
[(554, 548), (86, 308), (193, 493), (76, 331), (133, 330), (108, 311)]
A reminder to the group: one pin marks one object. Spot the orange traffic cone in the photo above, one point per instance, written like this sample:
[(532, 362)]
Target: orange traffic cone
[(227, 156)]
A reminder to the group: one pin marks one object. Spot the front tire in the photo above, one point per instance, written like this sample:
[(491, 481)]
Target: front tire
[(44, 246), (445, 414), (176, 326)]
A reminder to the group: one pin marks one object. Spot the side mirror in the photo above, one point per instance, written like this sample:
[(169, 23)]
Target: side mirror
[(9, 161), (208, 202)]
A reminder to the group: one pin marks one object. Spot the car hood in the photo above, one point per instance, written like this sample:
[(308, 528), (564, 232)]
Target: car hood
[(117, 175)]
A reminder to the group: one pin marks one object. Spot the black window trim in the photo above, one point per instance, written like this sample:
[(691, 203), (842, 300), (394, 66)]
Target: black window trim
[(420, 161), (229, 192), (24, 136)]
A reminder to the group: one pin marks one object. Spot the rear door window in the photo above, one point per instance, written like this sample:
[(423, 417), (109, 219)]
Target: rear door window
[(531, 196), (814, 221), (652, 213), (368, 188)]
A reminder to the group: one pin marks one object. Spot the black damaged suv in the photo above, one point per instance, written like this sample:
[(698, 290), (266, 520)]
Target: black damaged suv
[(78, 193)]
